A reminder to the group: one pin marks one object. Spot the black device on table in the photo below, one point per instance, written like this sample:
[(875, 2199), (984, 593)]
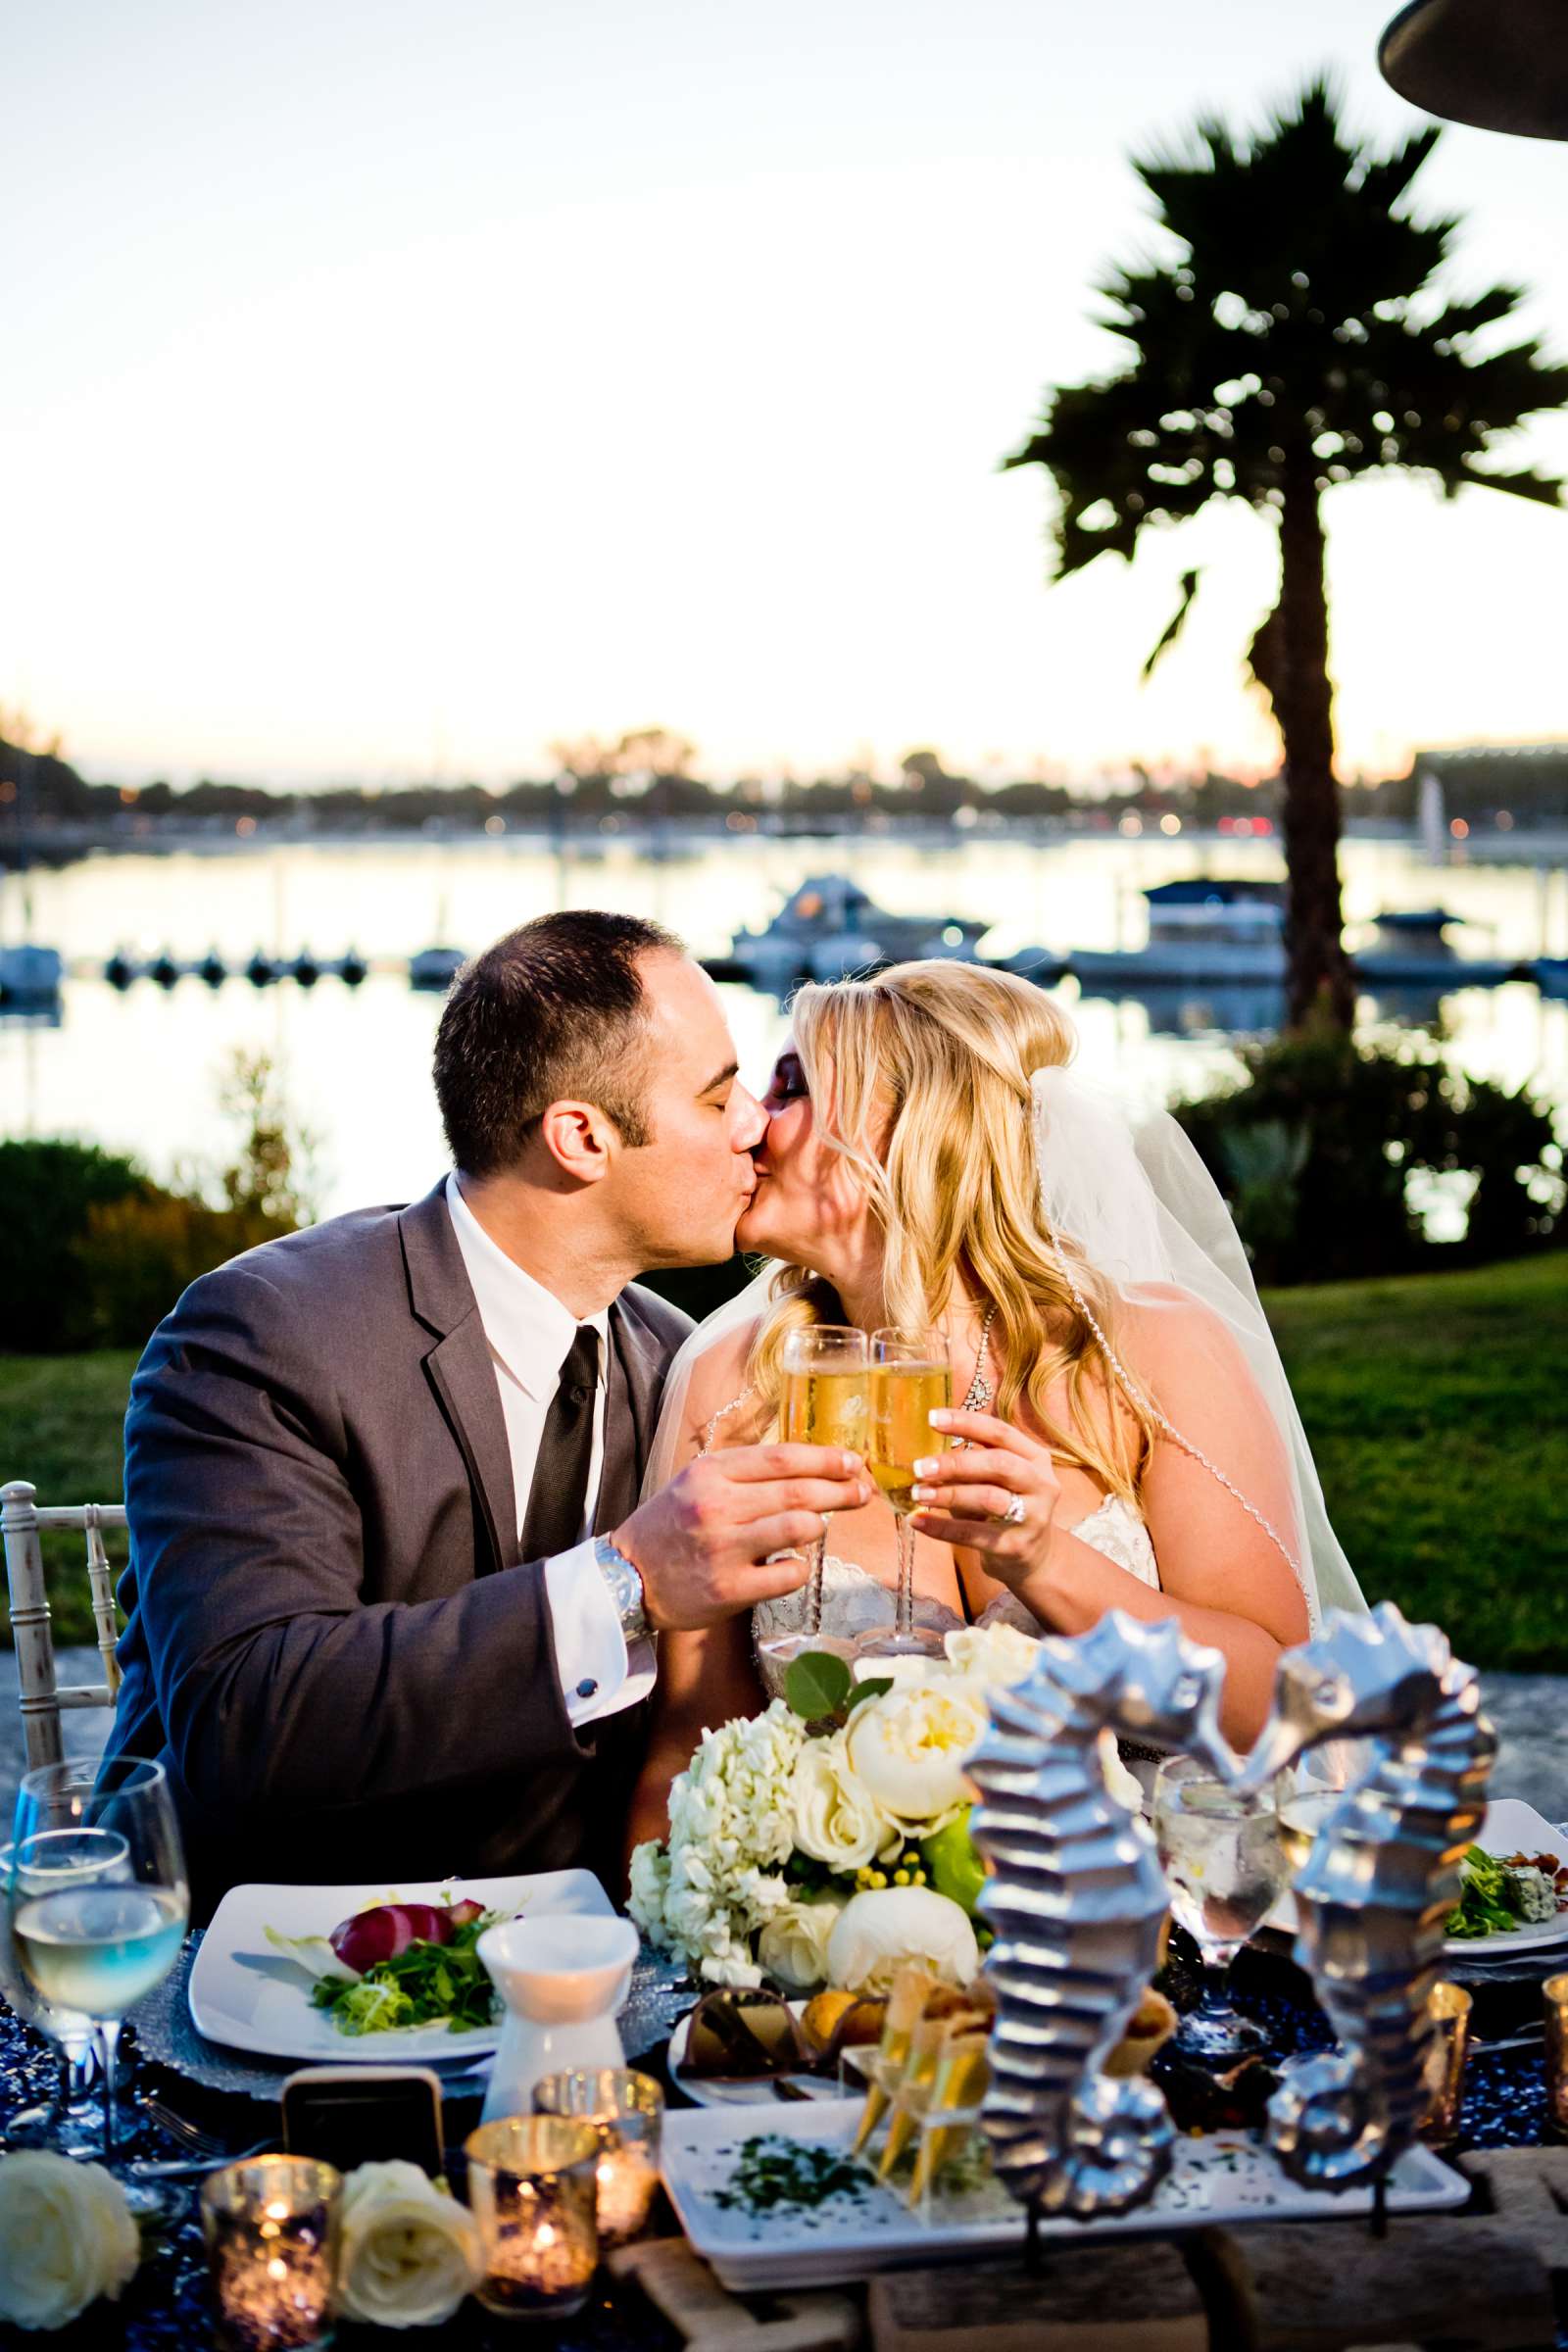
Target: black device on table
[(350, 2115)]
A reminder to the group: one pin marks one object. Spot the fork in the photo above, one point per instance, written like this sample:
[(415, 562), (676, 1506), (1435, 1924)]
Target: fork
[(205, 2150)]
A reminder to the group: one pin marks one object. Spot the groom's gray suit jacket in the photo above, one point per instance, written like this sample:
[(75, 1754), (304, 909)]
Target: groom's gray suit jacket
[(333, 1644)]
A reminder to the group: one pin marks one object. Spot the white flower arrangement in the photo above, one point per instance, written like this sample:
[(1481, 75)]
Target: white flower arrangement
[(838, 1790), (408, 2253), (67, 2236)]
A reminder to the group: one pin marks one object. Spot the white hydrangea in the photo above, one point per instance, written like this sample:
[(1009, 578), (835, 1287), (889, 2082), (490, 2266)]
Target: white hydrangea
[(720, 1879)]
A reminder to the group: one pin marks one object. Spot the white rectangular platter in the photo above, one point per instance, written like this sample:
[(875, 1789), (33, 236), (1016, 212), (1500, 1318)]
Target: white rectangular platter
[(251, 1997), (1225, 2176)]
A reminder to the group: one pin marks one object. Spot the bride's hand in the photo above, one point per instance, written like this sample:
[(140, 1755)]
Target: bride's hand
[(997, 1496)]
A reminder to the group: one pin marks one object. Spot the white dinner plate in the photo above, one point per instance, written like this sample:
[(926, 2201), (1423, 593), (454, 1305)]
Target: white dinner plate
[(712, 2090), (1223, 2177), (1511, 1827), (246, 1994)]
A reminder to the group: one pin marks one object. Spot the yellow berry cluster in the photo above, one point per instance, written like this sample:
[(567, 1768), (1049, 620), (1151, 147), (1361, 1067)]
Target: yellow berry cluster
[(905, 1873)]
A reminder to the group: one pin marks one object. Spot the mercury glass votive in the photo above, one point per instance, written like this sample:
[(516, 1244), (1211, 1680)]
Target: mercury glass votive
[(271, 2226), (1449, 2007), (533, 2193), (1554, 2001), (626, 2110)]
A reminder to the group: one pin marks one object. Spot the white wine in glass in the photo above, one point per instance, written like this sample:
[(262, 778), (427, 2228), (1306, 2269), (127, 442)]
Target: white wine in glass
[(89, 1944), (911, 1380), (824, 1403)]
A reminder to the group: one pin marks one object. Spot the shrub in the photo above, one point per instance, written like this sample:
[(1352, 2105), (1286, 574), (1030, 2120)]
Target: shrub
[(47, 1192), (1317, 1148)]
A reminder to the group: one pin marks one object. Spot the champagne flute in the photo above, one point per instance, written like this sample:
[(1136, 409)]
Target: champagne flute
[(824, 1403), (57, 1858), (911, 1380), (97, 1945), (1226, 1862)]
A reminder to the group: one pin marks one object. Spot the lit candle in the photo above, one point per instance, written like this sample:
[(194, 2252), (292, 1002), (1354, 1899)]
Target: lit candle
[(532, 2189), (1554, 1999), (270, 2226), (626, 2110)]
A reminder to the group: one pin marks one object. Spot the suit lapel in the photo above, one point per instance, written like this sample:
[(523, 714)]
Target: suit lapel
[(458, 1366)]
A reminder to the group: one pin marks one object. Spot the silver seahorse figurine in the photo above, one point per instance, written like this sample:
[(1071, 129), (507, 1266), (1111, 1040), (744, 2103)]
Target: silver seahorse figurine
[(1076, 1903), (1381, 1880)]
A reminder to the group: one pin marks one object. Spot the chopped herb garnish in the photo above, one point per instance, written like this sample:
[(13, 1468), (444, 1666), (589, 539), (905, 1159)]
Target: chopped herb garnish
[(774, 2172)]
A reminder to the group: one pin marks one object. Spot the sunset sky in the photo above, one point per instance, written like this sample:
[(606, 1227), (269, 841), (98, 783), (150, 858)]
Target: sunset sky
[(393, 390)]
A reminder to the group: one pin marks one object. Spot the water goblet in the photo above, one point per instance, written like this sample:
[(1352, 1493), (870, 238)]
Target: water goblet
[(824, 1403), (64, 2124), (910, 1379), (1226, 1862), (97, 1945)]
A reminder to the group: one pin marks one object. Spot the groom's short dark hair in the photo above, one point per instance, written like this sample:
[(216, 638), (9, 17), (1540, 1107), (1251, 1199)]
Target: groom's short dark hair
[(555, 1009)]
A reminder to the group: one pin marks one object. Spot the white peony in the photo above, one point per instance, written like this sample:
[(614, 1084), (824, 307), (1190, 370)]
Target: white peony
[(997, 1655), (832, 1814), (67, 2236), (793, 1947), (877, 1933), (408, 2252), (909, 1747)]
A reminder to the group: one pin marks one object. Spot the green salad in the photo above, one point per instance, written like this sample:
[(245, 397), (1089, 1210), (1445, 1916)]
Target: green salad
[(427, 1984), (1500, 1894)]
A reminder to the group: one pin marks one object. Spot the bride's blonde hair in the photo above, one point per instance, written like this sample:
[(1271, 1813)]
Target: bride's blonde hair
[(919, 1078)]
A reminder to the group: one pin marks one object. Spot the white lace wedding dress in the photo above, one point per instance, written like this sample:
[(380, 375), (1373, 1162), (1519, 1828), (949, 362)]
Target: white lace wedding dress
[(853, 1603)]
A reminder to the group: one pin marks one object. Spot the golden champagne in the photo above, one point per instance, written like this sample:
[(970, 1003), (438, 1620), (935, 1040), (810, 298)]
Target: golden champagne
[(825, 1408), (1300, 1819), (903, 1396)]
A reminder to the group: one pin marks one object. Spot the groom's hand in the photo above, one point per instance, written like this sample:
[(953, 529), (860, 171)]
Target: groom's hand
[(702, 1544)]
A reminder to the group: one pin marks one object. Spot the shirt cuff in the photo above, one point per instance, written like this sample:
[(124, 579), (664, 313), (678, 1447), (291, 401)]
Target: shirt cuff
[(596, 1677)]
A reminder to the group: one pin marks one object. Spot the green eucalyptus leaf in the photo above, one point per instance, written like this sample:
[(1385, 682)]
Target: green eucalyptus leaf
[(873, 1687), (817, 1684)]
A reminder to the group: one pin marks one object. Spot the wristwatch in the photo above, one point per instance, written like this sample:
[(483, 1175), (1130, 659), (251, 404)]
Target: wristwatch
[(624, 1584)]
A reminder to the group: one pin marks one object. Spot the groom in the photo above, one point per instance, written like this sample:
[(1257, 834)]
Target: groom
[(391, 1594)]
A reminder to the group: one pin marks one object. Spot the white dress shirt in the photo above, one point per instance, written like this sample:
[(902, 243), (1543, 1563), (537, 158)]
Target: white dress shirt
[(529, 1334)]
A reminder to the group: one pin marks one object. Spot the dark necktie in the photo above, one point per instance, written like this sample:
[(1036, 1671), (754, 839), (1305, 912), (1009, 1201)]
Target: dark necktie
[(553, 1522)]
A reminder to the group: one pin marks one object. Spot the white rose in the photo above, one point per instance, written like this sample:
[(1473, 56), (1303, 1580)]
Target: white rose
[(67, 2236), (408, 2252), (998, 1655), (832, 1814), (793, 1947), (877, 1933), (909, 1747)]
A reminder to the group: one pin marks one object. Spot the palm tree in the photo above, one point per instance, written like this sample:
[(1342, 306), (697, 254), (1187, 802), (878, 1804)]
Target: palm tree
[(1298, 343)]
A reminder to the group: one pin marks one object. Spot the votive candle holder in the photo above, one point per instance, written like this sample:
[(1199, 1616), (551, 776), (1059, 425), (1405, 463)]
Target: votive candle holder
[(271, 2226), (1554, 2002), (533, 2192), (1449, 2008), (627, 2111)]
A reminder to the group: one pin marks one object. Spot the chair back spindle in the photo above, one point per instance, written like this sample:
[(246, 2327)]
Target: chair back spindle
[(43, 1697)]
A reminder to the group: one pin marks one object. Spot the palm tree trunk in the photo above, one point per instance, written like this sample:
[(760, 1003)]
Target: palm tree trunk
[(1317, 971)]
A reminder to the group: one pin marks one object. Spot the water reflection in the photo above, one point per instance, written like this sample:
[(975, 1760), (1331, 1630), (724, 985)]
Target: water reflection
[(138, 1069)]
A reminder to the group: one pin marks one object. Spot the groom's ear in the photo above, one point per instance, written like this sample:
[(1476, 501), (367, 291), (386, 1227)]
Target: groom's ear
[(580, 1139)]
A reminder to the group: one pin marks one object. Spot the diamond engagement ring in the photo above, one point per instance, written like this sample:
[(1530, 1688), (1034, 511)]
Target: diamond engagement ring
[(1013, 1515)]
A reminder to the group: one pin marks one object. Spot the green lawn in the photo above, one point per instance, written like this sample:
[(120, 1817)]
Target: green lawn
[(1434, 1404)]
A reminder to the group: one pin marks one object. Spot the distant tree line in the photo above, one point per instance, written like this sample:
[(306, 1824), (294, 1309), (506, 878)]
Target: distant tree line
[(596, 785)]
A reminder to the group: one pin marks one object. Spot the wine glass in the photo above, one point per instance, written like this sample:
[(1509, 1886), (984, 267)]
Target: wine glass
[(97, 1944), (57, 1858), (1226, 1863), (824, 1403), (911, 1380)]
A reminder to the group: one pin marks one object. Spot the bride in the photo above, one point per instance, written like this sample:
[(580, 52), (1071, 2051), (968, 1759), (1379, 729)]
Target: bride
[(1129, 1440)]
